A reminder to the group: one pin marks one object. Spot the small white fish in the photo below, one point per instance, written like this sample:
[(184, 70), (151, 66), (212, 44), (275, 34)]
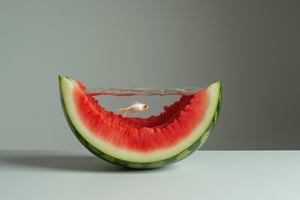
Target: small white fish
[(135, 108)]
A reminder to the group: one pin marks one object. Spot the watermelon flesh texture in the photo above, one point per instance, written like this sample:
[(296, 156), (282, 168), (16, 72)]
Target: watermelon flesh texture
[(151, 142)]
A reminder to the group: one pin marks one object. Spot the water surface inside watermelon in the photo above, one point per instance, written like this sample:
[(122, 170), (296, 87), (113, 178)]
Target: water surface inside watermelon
[(115, 98)]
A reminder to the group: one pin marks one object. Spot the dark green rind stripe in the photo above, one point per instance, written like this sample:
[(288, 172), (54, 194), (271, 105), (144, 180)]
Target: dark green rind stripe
[(143, 165)]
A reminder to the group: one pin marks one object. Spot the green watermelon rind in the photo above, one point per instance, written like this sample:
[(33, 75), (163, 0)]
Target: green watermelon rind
[(142, 164)]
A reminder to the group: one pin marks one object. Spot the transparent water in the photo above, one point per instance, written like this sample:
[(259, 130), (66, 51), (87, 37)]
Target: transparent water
[(115, 98)]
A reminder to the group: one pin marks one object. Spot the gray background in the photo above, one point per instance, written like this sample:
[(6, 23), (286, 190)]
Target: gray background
[(251, 46)]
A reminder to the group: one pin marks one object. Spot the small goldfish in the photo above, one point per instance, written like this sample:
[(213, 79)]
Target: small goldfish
[(135, 108)]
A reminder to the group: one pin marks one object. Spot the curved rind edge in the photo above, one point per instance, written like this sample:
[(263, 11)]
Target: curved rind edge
[(143, 165)]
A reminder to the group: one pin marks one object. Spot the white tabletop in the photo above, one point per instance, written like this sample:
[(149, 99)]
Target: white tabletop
[(232, 175)]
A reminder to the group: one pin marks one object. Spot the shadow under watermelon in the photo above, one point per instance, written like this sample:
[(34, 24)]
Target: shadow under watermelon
[(68, 162)]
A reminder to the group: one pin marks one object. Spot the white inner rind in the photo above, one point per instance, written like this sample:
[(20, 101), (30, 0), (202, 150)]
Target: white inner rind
[(67, 87)]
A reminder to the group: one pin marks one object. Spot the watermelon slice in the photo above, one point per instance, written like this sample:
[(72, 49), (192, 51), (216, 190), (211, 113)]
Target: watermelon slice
[(136, 142)]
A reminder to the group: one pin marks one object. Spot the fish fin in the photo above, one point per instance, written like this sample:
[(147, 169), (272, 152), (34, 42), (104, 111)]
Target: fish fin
[(135, 102)]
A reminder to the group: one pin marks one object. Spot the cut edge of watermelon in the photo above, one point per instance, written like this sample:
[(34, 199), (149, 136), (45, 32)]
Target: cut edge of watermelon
[(67, 85)]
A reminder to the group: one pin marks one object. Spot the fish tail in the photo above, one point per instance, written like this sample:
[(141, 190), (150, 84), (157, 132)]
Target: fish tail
[(124, 111)]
